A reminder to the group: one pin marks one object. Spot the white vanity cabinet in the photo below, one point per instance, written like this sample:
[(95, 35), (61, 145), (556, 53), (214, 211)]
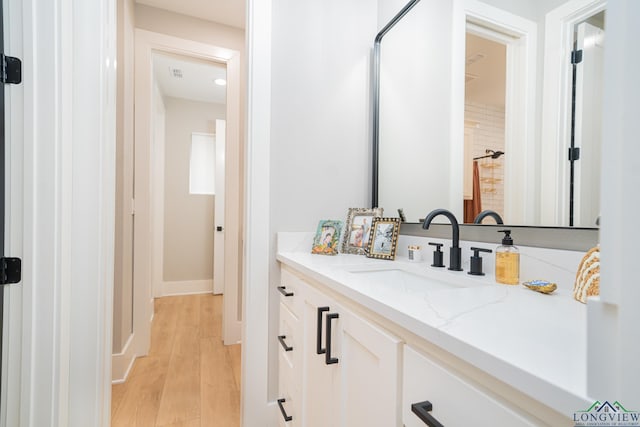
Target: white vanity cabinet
[(353, 371), (350, 372), (291, 340)]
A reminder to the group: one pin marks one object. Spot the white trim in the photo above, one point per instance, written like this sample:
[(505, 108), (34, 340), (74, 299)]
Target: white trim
[(157, 196), (556, 99), (146, 42), (187, 287), (256, 409), (613, 317), (519, 35), (13, 303), (121, 363), (232, 312)]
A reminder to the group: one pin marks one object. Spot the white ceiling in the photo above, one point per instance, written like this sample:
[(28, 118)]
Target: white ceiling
[(486, 71), (227, 12), (197, 78)]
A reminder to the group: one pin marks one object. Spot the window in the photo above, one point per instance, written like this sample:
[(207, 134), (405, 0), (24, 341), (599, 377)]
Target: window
[(202, 164)]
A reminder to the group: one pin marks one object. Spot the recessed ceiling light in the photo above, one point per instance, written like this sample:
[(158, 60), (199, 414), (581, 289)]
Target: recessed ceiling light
[(220, 82)]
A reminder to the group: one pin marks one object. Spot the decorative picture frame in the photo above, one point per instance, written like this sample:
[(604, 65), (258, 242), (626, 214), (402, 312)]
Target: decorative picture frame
[(355, 238), (383, 238), (327, 237)]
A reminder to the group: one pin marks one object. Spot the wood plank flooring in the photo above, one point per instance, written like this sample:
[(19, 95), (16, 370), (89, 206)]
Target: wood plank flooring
[(189, 379)]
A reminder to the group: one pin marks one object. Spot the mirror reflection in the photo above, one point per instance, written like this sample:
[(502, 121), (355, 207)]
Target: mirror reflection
[(501, 117)]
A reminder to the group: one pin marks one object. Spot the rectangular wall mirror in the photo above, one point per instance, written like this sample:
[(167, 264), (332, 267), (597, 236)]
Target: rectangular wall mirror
[(492, 109)]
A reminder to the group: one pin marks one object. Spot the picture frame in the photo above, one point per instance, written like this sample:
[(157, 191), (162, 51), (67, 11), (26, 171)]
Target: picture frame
[(383, 238), (355, 238), (327, 237)]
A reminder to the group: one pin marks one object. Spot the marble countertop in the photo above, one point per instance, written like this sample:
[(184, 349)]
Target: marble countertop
[(534, 342)]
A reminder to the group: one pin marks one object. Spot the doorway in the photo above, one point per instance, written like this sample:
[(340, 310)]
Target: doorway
[(515, 37), (484, 119), (147, 44), (188, 159)]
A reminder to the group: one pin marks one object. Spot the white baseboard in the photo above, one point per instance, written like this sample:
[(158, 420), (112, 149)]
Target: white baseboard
[(121, 363), (187, 287)]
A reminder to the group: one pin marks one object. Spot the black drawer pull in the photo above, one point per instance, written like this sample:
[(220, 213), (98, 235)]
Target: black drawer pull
[(319, 349), (284, 413), (328, 359), (422, 409), (284, 292), (284, 344)]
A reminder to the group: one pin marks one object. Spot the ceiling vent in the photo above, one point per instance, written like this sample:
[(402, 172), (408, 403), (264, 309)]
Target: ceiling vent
[(468, 77), (175, 72), (472, 59)]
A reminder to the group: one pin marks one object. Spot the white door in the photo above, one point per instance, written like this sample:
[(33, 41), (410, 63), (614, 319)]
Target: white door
[(11, 312), (588, 124), (218, 240)]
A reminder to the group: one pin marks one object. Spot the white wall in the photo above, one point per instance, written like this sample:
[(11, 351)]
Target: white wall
[(415, 114), (614, 318), (320, 125), (122, 302), (188, 218), (487, 127)]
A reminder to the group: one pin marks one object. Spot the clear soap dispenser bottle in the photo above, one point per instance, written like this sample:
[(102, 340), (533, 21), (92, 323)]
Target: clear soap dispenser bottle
[(507, 261)]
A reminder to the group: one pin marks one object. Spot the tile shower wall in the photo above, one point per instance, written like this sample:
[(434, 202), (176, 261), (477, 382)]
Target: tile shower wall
[(487, 125)]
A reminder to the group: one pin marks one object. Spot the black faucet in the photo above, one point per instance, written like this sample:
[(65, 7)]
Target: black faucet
[(455, 253), (482, 215)]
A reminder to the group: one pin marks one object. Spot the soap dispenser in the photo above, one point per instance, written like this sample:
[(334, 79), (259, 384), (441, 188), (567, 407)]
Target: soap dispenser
[(507, 261)]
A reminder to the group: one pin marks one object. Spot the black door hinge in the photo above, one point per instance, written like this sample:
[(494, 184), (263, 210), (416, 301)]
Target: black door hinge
[(11, 72), (576, 56), (10, 270), (574, 153)]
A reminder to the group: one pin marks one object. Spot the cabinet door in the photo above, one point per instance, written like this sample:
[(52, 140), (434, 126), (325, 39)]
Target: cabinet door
[(321, 381), (453, 401), (370, 360)]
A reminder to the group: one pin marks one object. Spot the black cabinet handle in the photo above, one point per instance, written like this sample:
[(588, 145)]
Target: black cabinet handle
[(284, 344), (319, 349), (284, 292), (422, 409), (328, 359), (284, 413)]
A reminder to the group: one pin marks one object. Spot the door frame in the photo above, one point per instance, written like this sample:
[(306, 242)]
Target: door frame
[(556, 110), (62, 193), (520, 37), (146, 43)]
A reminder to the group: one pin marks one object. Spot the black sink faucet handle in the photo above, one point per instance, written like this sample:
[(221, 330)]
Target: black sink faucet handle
[(438, 256), (476, 261)]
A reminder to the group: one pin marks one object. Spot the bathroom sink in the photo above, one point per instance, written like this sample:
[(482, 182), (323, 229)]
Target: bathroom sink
[(401, 280)]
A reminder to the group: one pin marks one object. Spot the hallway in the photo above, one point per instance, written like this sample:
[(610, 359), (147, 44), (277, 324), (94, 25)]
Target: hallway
[(189, 378)]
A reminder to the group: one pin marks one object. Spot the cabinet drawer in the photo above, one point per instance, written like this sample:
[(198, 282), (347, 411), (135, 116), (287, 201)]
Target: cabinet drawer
[(290, 341), (290, 292), (289, 404), (455, 401)]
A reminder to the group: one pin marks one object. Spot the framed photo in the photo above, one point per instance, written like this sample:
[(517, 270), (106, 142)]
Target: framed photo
[(356, 232), (383, 238), (327, 237)]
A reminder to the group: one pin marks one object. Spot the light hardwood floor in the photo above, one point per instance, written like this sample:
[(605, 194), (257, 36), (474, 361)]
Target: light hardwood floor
[(190, 378)]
